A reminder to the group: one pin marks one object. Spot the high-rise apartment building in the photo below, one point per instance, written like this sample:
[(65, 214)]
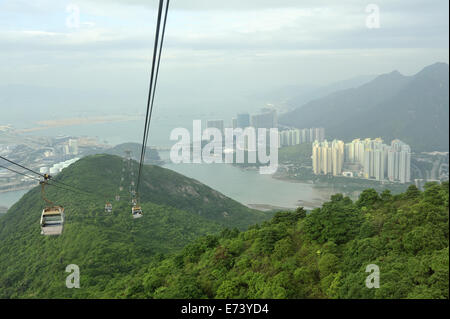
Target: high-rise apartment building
[(243, 120), (299, 136), (215, 123), (328, 158), (234, 123), (375, 159), (267, 119)]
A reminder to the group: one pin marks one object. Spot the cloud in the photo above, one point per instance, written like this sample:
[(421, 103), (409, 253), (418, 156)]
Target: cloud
[(222, 38)]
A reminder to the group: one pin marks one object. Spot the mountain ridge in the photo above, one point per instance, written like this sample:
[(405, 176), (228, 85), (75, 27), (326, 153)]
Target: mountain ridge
[(411, 108)]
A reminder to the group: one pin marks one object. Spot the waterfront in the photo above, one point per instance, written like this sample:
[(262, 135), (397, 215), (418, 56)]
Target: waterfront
[(245, 186), (251, 188)]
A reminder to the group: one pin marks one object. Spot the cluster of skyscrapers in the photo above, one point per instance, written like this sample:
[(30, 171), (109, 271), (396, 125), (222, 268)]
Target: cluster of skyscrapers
[(266, 119), (299, 136), (368, 158)]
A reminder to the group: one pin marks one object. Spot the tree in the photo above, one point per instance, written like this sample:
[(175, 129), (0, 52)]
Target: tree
[(412, 192), (368, 198), (386, 195)]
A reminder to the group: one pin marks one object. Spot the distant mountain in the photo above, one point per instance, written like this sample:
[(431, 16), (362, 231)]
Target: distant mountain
[(301, 98), (414, 109), (107, 246), (287, 98)]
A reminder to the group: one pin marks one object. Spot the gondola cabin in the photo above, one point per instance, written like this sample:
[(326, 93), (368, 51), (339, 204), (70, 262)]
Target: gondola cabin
[(108, 208), (117, 198), (52, 220), (136, 211)]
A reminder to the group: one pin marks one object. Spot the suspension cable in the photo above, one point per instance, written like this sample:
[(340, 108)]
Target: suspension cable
[(55, 183), (152, 87), (23, 174)]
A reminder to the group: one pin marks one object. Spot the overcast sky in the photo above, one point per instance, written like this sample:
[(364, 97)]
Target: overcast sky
[(215, 44)]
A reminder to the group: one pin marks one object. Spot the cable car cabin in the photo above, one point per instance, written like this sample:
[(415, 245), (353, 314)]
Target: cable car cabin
[(52, 220), (136, 211), (108, 208), (117, 198)]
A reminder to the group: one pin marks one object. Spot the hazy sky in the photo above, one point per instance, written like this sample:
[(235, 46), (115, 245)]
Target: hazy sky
[(216, 45)]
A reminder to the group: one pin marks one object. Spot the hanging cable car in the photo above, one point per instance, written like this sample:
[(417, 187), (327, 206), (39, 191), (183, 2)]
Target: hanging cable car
[(132, 183), (52, 217), (108, 207), (136, 211), (117, 198), (120, 188), (52, 220)]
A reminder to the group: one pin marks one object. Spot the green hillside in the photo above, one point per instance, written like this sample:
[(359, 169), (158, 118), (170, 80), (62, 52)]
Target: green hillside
[(102, 173), (107, 247), (320, 255), (151, 155), (176, 253)]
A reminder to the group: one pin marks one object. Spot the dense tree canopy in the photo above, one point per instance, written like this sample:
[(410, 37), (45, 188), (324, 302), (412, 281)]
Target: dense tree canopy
[(323, 254), (188, 253)]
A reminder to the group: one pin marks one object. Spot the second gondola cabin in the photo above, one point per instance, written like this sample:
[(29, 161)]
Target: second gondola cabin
[(52, 220), (108, 208), (136, 211)]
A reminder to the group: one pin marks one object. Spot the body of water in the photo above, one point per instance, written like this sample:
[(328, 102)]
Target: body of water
[(245, 186), (250, 188), (8, 199)]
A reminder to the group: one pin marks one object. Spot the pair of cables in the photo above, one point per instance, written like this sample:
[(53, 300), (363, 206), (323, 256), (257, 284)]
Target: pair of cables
[(157, 49)]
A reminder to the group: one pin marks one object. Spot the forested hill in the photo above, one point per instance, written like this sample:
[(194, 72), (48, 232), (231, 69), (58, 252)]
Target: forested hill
[(102, 173), (107, 247), (177, 253), (320, 255)]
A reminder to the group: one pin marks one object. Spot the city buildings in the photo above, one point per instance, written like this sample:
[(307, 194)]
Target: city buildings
[(299, 136), (328, 158), (216, 124), (243, 120), (368, 158), (266, 119)]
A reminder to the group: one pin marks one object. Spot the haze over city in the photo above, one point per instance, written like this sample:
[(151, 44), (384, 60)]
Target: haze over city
[(213, 52)]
